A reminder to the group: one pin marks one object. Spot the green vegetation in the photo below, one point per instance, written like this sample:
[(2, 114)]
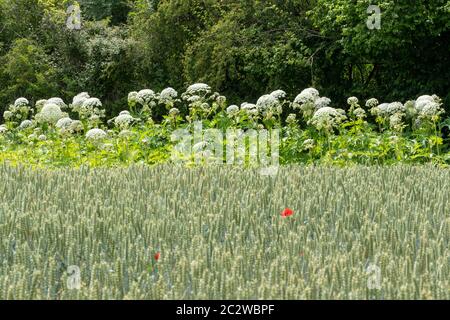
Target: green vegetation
[(220, 233), (241, 48), (54, 134)]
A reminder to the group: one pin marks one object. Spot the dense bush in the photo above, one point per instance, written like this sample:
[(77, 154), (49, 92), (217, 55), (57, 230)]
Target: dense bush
[(242, 48)]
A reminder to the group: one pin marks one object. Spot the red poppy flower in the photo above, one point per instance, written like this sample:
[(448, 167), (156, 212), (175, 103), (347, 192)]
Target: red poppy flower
[(157, 255), (287, 213)]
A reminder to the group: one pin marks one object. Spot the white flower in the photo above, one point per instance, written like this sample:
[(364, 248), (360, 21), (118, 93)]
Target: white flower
[(308, 144), (123, 120), (422, 101), (50, 113), (325, 112), (326, 118), (58, 101), (42, 137), (232, 110), (194, 98), (3, 129), (395, 122), (267, 102), (200, 89), (168, 95), (395, 107), (174, 112), (40, 104), (125, 134), (381, 110), (96, 135), (291, 118), (322, 102), (352, 101), (249, 109), (132, 97), (124, 112), (360, 113), (372, 103), (26, 124), (145, 96), (279, 94), (64, 123), (221, 100), (307, 95), (7, 115), (91, 103), (79, 99), (76, 126), (21, 102), (431, 109)]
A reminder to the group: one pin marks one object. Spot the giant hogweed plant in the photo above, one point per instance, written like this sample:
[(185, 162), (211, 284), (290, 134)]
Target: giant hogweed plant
[(53, 133)]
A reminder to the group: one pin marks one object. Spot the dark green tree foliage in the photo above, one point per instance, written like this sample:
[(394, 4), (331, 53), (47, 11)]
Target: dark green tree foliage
[(162, 37), (242, 48), (256, 47), (408, 56), (27, 72)]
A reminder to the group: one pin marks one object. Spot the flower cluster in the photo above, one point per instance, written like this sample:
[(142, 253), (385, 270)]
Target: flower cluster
[(50, 114), (18, 112), (328, 118), (309, 101)]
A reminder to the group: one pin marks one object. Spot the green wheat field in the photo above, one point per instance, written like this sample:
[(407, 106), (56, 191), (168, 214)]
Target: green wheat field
[(220, 234)]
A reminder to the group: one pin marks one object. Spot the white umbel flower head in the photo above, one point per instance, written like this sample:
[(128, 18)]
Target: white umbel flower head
[(291, 119), (381, 110), (431, 109), (308, 144), (25, 124), (267, 102), (232, 110), (307, 95), (21, 102), (96, 135), (395, 107), (174, 112), (124, 112), (3, 129), (8, 115), (200, 89), (422, 101), (145, 96), (64, 123), (325, 112), (79, 99), (322, 102), (123, 120), (279, 95), (168, 95), (352, 101), (76, 126), (372, 103), (327, 118), (250, 109), (91, 104), (58, 101), (50, 113), (40, 104), (132, 97)]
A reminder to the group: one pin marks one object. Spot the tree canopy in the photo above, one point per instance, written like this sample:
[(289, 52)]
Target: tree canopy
[(241, 48)]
